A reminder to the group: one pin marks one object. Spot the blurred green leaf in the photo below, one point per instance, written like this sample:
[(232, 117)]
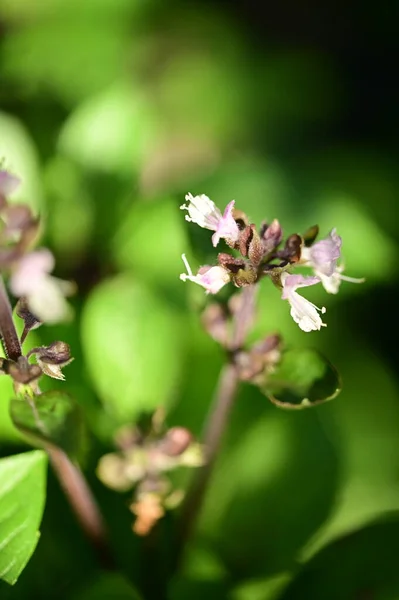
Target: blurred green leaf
[(22, 497), (23, 9), (132, 341), (360, 565), (67, 56), (8, 431), (151, 241), (274, 485), (203, 575), (303, 378), (20, 157), (106, 586), (363, 426), (50, 417), (203, 96), (271, 588), (112, 131), (261, 188), (68, 202)]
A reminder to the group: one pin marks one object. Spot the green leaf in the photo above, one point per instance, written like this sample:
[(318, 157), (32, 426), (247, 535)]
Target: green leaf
[(132, 341), (269, 588), (362, 564), (22, 497), (51, 417), (163, 217), (270, 486), (303, 378), (20, 157), (119, 121)]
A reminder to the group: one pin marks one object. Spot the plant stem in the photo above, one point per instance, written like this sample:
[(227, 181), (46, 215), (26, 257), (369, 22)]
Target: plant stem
[(83, 504), (9, 336), (216, 422)]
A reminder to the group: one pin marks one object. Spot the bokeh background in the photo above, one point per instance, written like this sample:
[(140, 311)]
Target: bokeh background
[(111, 111)]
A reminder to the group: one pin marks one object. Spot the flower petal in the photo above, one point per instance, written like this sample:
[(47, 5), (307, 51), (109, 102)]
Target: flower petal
[(8, 183)]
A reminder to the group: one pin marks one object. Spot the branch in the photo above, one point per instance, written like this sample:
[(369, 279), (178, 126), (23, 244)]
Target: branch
[(83, 504), (9, 336)]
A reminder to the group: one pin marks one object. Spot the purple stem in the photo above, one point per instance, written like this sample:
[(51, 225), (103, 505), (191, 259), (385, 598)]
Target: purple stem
[(216, 422), (9, 336)]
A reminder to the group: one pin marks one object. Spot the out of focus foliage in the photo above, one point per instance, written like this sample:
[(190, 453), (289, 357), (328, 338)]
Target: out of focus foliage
[(111, 110)]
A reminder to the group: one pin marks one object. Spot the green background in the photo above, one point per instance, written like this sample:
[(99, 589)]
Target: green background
[(110, 112)]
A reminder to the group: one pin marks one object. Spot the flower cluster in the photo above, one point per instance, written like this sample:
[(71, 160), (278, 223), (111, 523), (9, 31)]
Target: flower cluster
[(264, 253), (29, 270), (145, 454), (41, 297)]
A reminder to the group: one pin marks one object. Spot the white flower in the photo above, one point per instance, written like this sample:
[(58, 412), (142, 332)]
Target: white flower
[(210, 278), (202, 210), (323, 257), (45, 295), (305, 313)]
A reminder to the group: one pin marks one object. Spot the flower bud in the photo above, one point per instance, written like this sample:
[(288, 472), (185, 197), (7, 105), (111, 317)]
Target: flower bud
[(53, 358), (29, 319), (260, 359), (215, 321), (292, 249), (245, 277), (255, 248), (271, 236), (148, 510), (230, 263), (175, 441), (310, 235), (244, 240)]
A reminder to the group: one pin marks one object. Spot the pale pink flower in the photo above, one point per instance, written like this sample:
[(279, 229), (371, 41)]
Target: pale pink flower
[(8, 183), (210, 278), (202, 211), (323, 256), (45, 295), (304, 312)]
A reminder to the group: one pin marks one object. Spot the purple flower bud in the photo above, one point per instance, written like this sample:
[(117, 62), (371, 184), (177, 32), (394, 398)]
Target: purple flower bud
[(175, 441), (272, 236)]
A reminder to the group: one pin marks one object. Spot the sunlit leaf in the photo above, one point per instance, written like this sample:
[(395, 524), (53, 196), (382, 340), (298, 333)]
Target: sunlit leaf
[(50, 417), (19, 155), (270, 588), (303, 378), (132, 342), (35, 56), (111, 131), (22, 496), (161, 222)]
